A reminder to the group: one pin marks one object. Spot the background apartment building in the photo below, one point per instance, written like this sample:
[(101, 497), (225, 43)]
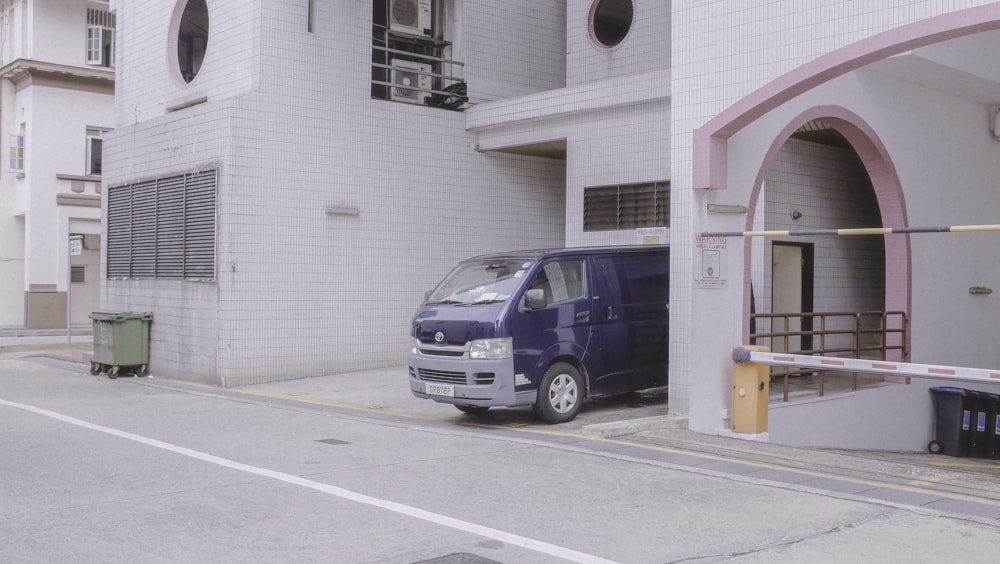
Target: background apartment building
[(56, 106)]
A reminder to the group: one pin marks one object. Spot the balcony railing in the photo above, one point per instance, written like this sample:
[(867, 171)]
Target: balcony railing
[(875, 335), (407, 68)]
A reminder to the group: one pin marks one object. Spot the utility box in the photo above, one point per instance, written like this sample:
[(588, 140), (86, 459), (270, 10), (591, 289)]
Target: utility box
[(751, 390), (121, 340)]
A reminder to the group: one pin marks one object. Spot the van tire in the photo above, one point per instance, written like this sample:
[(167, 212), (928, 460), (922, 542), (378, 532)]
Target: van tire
[(560, 394), (473, 409)]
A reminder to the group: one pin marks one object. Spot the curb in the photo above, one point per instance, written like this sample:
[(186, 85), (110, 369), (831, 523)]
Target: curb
[(620, 428)]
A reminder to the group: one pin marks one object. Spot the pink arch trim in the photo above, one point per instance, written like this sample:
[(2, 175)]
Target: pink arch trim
[(711, 140), (888, 191)]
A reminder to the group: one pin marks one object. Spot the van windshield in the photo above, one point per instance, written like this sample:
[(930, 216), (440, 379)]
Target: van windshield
[(481, 282)]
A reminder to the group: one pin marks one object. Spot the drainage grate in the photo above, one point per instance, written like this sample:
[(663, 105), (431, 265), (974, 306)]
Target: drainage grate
[(459, 558), (332, 442)]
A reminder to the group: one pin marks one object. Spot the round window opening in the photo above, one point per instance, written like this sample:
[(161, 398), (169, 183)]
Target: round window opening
[(611, 21), (192, 38)]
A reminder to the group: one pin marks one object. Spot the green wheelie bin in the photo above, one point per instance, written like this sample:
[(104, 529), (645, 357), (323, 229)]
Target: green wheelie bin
[(121, 343)]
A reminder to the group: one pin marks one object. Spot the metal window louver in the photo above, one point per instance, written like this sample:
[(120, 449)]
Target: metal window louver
[(163, 228)]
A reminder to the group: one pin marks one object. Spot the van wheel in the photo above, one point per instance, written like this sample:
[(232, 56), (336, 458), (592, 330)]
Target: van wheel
[(473, 409), (560, 394)]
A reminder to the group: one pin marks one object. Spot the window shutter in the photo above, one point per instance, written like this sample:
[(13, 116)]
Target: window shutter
[(600, 208), (163, 228), (636, 206), (170, 228), (119, 231), (629, 206), (144, 230), (199, 253)]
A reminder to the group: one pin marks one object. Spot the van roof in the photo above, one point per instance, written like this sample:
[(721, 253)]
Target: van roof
[(536, 254)]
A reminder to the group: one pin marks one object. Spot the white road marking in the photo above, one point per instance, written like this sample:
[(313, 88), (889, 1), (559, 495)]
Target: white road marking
[(417, 513)]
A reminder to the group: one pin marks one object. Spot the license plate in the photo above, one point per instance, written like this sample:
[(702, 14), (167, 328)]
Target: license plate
[(439, 390)]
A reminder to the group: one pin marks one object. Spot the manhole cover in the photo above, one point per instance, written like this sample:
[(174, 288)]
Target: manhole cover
[(332, 442)]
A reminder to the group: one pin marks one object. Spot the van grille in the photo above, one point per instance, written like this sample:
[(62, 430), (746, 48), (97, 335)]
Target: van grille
[(440, 352), (442, 376), (446, 377)]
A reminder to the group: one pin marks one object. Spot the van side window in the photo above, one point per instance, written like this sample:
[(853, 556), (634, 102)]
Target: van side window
[(561, 281), (640, 280)]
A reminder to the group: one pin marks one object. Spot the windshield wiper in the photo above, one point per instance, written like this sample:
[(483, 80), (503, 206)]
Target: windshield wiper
[(447, 302), (491, 301)]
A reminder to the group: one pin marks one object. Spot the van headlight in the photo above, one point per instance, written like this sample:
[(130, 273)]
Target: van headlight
[(491, 349)]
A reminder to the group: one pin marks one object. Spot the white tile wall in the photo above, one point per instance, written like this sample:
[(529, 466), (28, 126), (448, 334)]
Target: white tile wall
[(301, 292), (645, 49), (512, 48)]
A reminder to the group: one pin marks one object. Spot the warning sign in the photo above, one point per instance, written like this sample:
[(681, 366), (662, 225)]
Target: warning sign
[(710, 262)]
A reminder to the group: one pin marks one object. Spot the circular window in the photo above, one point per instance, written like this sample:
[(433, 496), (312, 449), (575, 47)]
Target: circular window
[(192, 38), (610, 21)]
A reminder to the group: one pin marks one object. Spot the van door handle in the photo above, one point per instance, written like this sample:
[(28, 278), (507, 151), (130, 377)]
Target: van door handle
[(609, 312), (582, 314)]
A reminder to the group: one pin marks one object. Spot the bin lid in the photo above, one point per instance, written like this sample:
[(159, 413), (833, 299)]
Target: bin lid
[(947, 390), (120, 316)]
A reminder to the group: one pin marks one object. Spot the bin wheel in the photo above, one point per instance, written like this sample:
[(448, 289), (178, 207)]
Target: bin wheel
[(113, 373), (142, 370), (95, 368), (935, 447)]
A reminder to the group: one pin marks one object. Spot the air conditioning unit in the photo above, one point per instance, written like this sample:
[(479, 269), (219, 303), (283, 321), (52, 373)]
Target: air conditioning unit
[(410, 16), (410, 81)]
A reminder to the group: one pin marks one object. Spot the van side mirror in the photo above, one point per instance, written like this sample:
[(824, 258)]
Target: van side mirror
[(534, 299)]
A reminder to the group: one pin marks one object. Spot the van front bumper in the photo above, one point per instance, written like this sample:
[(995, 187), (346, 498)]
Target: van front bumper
[(483, 383)]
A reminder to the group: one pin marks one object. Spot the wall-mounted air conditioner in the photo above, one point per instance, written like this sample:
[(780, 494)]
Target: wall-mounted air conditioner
[(410, 16), (410, 81)]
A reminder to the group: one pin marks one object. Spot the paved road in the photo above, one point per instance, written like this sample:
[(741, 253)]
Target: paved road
[(127, 470)]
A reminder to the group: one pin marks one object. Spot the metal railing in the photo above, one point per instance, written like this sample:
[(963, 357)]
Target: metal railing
[(439, 82), (874, 335)]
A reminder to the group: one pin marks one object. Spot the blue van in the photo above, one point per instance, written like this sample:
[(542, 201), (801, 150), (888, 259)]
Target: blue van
[(548, 328)]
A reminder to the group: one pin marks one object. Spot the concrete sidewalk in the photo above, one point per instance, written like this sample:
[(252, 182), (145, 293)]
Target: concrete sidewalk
[(638, 423)]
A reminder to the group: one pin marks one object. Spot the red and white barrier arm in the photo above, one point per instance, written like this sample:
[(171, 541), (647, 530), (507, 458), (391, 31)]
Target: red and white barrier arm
[(741, 355)]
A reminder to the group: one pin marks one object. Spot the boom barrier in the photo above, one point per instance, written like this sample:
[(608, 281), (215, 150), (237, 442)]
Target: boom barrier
[(743, 355)]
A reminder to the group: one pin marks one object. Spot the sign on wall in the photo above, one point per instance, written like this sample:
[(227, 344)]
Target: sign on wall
[(710, 260), (75, 245)]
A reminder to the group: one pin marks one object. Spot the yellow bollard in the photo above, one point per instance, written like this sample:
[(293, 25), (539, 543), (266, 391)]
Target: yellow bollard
[(751, 387)]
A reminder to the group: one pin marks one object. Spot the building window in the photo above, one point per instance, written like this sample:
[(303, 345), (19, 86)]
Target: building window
[(192, 38), (411, 55), (163, 228), (16, 155), (100, 38), (627, 206), (610, 21), (95, 145)]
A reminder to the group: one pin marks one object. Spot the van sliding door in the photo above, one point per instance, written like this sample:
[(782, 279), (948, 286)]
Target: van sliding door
[(633, 321)]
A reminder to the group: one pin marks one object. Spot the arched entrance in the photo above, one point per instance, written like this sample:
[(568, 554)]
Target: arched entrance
[(859, 188)]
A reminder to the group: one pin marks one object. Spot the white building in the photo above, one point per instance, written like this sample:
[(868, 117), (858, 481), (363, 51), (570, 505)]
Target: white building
[(336, 158), (56, 104)]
